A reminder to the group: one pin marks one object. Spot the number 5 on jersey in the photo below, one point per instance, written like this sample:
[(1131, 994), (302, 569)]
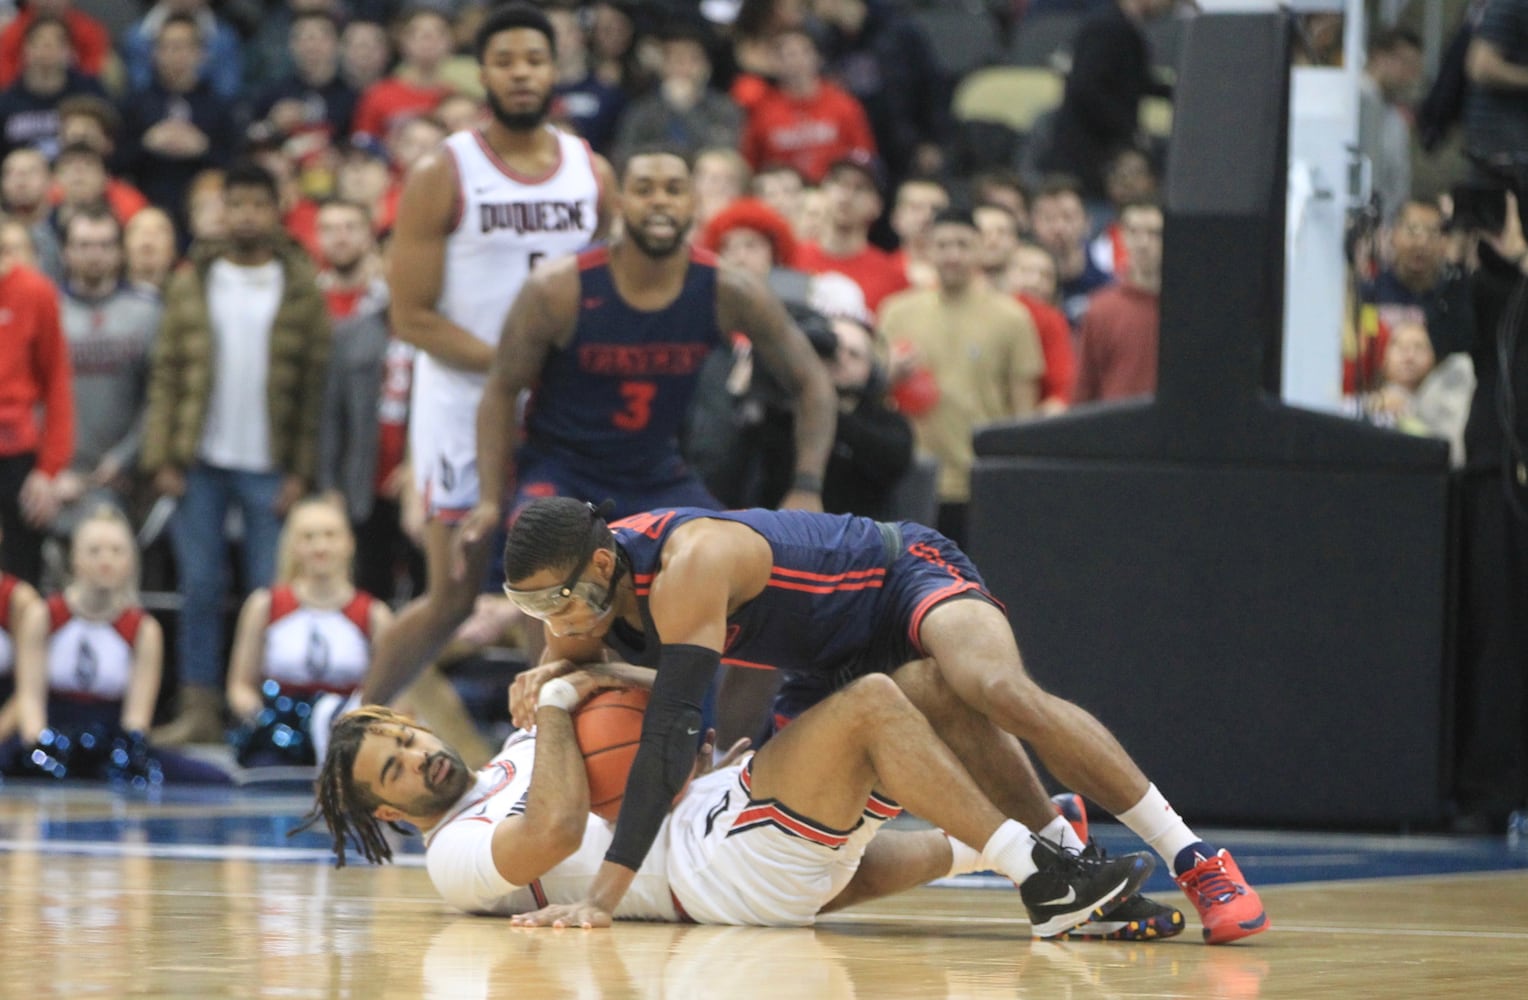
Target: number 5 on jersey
[(639, 397)]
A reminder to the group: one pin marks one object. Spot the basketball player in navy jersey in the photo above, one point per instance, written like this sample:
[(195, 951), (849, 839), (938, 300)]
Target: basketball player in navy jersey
[(476, 215), (610, 344), (829, 599)]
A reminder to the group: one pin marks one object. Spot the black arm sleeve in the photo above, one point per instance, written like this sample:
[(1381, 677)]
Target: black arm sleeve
[(666, 754)]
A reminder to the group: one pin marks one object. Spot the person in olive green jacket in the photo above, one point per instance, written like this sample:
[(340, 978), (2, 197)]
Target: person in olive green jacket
[(235, 395)]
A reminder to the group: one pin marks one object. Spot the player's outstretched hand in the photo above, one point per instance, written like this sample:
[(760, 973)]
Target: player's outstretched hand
[(586, 915), (476, 529)]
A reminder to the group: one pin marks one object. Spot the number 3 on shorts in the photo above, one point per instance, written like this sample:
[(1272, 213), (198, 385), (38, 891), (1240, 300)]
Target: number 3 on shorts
[(639, 405)]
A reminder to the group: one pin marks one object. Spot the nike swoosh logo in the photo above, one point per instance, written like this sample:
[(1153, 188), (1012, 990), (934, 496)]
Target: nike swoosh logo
[(692, 732), (1070, 897)]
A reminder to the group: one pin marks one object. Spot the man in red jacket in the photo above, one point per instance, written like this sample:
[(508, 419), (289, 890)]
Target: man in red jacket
[(34, 371)]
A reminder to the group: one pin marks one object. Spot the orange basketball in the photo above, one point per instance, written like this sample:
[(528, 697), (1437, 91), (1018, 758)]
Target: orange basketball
[(609, 727)]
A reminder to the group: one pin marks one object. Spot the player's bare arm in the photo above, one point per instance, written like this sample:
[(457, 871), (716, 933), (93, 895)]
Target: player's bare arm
[(610, 197), (416, 268), (527, 846), (708, 569), (746, 305), (542, 317)]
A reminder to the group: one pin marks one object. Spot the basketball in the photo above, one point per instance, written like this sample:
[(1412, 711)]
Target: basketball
[(608, 727)]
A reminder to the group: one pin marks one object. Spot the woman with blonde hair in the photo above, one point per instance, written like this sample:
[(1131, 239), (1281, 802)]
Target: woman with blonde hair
[(88, 666), (303, 645)]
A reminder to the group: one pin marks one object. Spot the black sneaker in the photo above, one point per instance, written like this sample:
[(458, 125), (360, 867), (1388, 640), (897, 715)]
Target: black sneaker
[(1136, 919), (1070, 888)]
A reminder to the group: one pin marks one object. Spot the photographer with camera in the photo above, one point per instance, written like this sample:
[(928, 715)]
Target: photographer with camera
[(1491, 766), (1491, 763), (741, 433)]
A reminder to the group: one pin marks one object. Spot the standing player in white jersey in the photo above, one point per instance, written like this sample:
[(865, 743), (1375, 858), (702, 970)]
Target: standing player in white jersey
[(476, 215), (774, 841)]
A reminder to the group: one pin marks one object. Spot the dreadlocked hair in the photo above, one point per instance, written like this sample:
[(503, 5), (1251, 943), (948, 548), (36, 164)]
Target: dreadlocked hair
[(555, 533), (344, 804)]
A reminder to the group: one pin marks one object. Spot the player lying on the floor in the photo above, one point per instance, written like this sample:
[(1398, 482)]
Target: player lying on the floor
[(772, 841)]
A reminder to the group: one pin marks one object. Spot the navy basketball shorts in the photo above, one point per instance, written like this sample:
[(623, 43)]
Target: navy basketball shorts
[(930, 571)]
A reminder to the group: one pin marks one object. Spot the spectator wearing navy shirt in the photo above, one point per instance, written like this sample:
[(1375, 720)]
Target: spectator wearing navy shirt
[(177, 125), (29, 107), (313, 97), (1420, 285)]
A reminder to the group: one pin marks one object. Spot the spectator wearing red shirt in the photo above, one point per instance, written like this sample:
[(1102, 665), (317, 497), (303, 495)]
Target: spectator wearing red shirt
[(1032, 277), (416, 87), (1117, 345), (34, 373), (89, 41), (853, 193), (805, 121)]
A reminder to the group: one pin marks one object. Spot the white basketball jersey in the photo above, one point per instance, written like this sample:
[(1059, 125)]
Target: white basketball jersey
[(459, 857), (86, 658), (316, 649), (506, 223), (319, 649)]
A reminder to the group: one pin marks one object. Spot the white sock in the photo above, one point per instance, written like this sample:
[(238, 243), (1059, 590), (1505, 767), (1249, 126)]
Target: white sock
[(1059, 832), (1008, 851), (967, 859), (1157, 823)]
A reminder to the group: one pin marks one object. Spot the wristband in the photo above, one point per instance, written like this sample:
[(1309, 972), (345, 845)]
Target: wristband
[(558, 693), (807, 482)]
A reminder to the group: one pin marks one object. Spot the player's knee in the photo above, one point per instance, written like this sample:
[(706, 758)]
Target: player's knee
[(1013, 698), (876, 696)]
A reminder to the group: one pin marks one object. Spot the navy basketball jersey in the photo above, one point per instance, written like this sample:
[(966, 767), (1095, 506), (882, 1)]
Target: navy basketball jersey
[(824, 611), (618, 393)]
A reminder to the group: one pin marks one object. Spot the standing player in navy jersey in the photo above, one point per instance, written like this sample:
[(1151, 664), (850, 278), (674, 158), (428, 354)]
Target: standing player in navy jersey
[(828, 598), (476, 215), (611, 343)]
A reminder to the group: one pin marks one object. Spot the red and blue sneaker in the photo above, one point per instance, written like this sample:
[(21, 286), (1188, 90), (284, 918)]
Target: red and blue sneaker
[(1228, 907)]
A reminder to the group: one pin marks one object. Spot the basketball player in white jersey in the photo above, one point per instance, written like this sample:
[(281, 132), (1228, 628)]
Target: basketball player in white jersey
[(772, 842), (475, 216)]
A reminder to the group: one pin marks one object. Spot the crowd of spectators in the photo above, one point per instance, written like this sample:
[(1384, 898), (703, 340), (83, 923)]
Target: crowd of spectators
[(236, 166)]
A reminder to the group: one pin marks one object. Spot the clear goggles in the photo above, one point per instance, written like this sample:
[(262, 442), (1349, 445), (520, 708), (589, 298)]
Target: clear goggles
[(549, 601)]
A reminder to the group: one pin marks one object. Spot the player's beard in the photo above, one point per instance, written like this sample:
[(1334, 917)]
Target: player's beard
[(438, 798), (518, 121), (654, 249)]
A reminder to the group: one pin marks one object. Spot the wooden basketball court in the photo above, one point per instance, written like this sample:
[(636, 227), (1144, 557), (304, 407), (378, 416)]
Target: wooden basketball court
[(202, 895)]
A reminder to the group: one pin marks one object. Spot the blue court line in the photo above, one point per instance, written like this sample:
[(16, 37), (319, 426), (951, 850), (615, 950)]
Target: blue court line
[(240, 823)]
